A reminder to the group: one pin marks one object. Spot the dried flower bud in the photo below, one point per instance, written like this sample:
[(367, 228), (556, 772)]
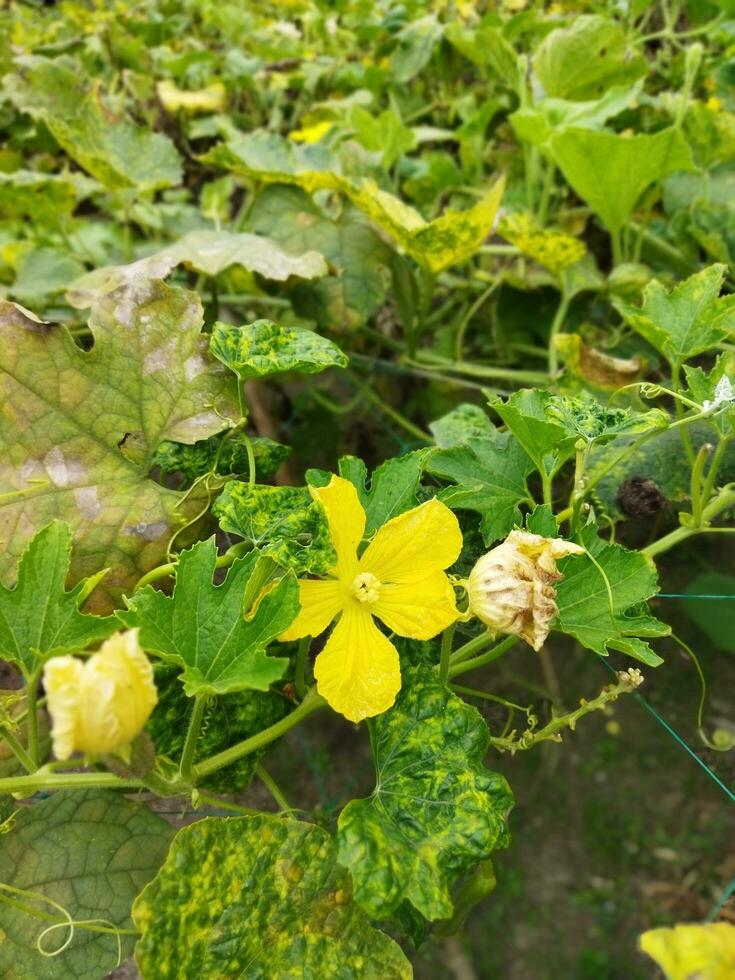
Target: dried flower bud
[(99, 706), (511, 588)]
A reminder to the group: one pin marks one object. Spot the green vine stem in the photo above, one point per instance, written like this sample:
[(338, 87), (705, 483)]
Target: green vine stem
[(483, 659), (273, 788), (27, 785), (302, 655), (17, 749), (192, 734), (627, 682), (446, 653), (557, 323), (32, 720), (223, 561), (311, 703)]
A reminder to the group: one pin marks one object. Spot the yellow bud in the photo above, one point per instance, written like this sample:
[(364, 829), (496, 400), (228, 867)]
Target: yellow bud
[(511, 588), (100, 705)]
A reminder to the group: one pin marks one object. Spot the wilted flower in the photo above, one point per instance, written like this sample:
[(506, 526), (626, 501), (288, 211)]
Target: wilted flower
[(512, 588), (99, 706)]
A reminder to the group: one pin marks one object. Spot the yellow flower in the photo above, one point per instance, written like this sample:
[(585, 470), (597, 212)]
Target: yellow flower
[(311, 134), (511, 588), (399, 579), (99, 706)]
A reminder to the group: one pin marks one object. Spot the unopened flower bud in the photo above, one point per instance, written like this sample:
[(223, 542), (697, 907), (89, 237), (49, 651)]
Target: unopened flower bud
[(100, 705), (512, 588)]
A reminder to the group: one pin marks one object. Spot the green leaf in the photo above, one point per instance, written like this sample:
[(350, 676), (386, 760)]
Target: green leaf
[(38, 618), (451, 238), (80, 429), (490, 474), (263, 348), (44, 198), (264, 898), (608, 612), (391, 489), (228, 719), (361, 259), (435, 812), (91, 852), (464, 422), (109, 147), (43, 273), (384, 134), (703, 388), (715, 617), (689, 319), (217, 634), (537, 123), (223, 454), (486, 48), (205, 251), (584, 417), (526, 414), (416, 43), (284, 523), (585, 59), (610, 171), (662, 461)]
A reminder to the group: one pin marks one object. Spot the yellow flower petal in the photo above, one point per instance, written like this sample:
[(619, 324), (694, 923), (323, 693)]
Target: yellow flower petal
[(418, 609), (98, 707), (346, 519), (358, 671), (62, 679), (413, 544), (320, 603)]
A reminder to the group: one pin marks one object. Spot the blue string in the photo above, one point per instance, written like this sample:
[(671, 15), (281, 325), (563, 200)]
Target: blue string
[(675, 735), (690, 595)]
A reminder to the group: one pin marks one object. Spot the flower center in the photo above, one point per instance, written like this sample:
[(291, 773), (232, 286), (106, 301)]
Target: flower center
[(366, 587)]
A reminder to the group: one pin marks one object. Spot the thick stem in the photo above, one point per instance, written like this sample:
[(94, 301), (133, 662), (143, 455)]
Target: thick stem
[(446, 653), (556, 325), (18, 751), (311, 703), (192, 734), (65, 780), (302, 654), (473, 663), (32, 719)]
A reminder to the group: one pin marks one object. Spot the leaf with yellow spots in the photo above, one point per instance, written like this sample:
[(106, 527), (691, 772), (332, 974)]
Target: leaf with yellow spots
[(451, 238), (90, 851), (435, 812), (79, 429), (257, 897)]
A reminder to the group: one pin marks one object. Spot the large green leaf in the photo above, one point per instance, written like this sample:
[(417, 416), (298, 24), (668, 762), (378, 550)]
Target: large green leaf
[(111, 148), (585, 59), (687, 320), (361, 259), (489, 473), (437, 244), (416, 43), (282, 522), (610, 171), (44, 198), (91, 852), (537, 123), (262, 348), (217, 634), (80, 428), (435, 812), (603, 605), (391, 489), (209, 252), (263, 898), (38, 618)]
